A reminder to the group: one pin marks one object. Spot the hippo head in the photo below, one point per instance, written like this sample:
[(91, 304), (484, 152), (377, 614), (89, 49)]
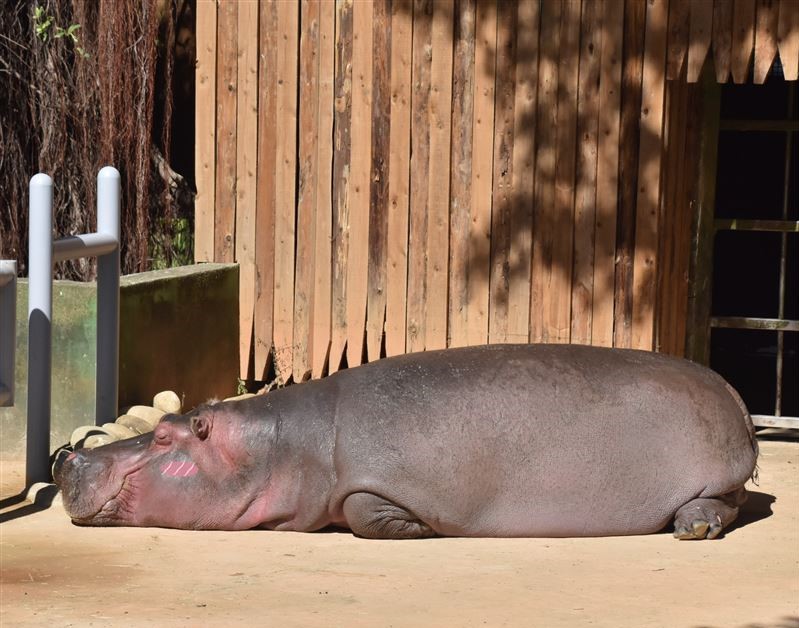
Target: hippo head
[(189, 472)]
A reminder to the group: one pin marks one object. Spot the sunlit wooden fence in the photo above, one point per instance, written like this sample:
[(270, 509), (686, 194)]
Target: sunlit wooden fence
[(395, 176)]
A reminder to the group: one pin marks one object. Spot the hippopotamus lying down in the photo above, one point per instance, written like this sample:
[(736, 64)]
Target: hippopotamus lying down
[(494, 441)]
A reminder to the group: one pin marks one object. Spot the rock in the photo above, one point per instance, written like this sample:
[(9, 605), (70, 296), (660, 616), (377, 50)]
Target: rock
[(137, 424), (167, 401), (80, 434), (148, 413), (119, 431), (98, 440)]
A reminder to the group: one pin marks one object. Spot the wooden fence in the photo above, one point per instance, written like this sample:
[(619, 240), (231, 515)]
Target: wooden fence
[(395, 176)]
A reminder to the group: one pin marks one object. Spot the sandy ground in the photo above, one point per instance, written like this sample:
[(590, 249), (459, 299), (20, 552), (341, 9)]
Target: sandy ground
[(57, 574)]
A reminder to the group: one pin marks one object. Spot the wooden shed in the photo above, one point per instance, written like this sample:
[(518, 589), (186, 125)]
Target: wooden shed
[(396, 176)]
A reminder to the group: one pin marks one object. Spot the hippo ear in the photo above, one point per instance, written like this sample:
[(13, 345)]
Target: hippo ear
[(201, 426)]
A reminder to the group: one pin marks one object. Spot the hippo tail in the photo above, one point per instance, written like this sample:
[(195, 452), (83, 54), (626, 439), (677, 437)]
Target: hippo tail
[(750, 426)]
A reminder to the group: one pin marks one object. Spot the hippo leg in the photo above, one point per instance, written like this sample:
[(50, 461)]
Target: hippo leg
[(374, 517), (706, 517)]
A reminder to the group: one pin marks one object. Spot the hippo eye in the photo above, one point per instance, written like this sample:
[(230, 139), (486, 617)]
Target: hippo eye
[(162, 435)]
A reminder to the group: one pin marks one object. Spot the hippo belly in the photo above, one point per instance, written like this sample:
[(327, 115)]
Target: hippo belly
[(539, 440)]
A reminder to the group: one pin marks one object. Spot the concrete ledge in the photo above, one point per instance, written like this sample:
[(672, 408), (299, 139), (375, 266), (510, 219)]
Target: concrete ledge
[(178, 331)]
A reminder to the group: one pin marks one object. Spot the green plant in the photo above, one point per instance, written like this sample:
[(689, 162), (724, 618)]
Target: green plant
[(42, 23)]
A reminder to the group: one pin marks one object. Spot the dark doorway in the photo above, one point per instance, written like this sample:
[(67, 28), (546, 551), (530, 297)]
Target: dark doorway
[(753, 322)]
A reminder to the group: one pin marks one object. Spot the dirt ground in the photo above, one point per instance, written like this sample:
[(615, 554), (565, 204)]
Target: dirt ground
[(57, 574)]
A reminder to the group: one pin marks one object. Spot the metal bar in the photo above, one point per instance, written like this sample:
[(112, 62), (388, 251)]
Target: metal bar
[(735, 224), (783, 258), (108, 210), (759, 125), (766, 420), (86, 245), (40, 313), (8, 330), (743, 322)]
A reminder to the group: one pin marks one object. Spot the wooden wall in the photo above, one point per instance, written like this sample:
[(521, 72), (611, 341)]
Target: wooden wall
[(398, 175)]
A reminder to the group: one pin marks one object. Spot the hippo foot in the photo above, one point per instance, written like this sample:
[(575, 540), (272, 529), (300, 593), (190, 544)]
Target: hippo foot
[(374, 517), (705, 518)]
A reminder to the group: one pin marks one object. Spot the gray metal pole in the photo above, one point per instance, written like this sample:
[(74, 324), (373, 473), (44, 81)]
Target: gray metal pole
[(8, 330), (108, 211), (40, 304)]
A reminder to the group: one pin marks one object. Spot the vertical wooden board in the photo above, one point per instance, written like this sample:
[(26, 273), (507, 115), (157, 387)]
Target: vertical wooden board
[(765, 38), (306, 187), (439, 120), (586, 173), (420, 173), (607, 174), (226, 95), (545, 162), (503, 192), (398, 169), (265, 201), (648, 193), (523, 166), (699, 37), (743, 39), (788, 38), (341, 181), (285, 189), (678, 37), (246, 167), (482, 157), (357, 273), (320, 312), (722, 38), (378, 193), (205, 131), (461, 171), (629, 141), (558, 275)]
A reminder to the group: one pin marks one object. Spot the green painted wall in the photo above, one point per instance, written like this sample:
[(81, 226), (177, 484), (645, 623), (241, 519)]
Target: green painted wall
[(178, 331)]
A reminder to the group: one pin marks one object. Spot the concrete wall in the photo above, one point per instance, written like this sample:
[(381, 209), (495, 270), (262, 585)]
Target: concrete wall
[(178, 331)]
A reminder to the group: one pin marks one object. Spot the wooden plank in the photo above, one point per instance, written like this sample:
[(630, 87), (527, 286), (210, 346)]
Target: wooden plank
[(482, 156), (679, 11), (523, 165), (607, 174), (629, 141), (307, 186), (246, 166), (558, 274), (586, 173), (227, 76), (341, 177), (503, 192), (285, 190), (648, 197), (439, 117), (359, 179), (699, 37), (420, 171), (788, 38), (265, 201), (765, 39), (545, 162), (320, 312), (722, 38), (205, 130), (398, 168), (378, 193), (461, 171), (743, 38)]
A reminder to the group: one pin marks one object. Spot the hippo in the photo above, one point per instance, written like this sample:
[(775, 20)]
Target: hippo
[(488, 441)]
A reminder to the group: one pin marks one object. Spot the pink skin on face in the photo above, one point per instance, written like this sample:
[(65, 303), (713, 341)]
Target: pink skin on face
[(176, 469)]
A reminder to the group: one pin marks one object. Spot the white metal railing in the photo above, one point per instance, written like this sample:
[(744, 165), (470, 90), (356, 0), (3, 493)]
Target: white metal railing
[(43, 253)]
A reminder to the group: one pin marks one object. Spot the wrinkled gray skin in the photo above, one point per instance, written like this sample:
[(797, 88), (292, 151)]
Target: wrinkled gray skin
[(499, 441)]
